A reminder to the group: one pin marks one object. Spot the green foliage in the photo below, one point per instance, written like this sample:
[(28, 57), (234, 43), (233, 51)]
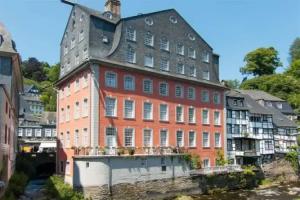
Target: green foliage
[(233, 84), (56, 188), (220, 160), (266, 182), (295, 50), (294, 69), (262, 61), (292, 157), (196, 161), (43, 76), (187, 157), (16, 186), (249, 170)]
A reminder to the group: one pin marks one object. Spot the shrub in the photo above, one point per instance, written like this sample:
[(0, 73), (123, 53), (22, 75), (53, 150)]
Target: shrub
[(221, 161), (16, 185), (56, 188), (249, 170), (196, 161), (292, 157)]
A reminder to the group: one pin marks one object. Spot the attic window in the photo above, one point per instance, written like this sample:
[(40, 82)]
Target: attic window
[(108, 15), (149, 21), (191, 37), (173, 19), (105, 39)]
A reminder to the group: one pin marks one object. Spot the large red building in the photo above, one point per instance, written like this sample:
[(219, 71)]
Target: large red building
[(147, 82)]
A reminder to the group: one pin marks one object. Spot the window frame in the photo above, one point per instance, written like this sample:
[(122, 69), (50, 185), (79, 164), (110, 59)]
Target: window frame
[(182, 114), (181, 91), (195, 139), (133, 109), (107, 84), (115, 106), (167, 137), (151, 86), (202, 116), (132, 139), (208, 139), (167, 88), (151, 114), (167, 112), (133, 82), (151, 137)]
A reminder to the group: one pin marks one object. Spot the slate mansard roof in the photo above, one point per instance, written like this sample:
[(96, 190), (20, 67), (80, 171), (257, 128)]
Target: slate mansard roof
[(94, 36)]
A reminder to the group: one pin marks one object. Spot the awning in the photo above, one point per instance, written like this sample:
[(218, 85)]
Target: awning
[(48, 145)]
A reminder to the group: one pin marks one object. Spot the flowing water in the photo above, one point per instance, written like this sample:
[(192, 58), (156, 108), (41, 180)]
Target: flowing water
[(281, 192)]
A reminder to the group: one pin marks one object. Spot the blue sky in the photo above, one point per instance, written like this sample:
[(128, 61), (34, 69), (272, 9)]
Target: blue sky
[(231, 27)]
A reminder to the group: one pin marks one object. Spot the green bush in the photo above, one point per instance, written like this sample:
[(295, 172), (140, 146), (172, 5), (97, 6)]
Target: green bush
[(249, 170), (16, 186), (196, 161), (221, 161), (292, 157), (56, 188)]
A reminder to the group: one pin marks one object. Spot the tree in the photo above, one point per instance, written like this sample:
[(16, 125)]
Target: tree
[(295, 50), (262, 61), (294, 69), (33, 69), (233, 84)]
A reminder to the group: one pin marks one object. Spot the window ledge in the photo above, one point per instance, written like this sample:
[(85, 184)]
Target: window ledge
[(206, 147), (148, 120), (164, 121), (129, 118), (179, 122)]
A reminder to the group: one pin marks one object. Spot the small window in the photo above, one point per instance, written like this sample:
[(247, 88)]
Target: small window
[(179, 91), (180, 49), (164, 64), (205, 117), (148, 86), (148, 111), (149, 21), (191, 53), (73, 43), (148, 138), (205, 56), (129, 82), (163, 89), (193, 71), (110, 107), (179, 138), (129, 111), (217, 118), (192, 115), (111, 79), (180, 68), (173, 19), (192, 139), (164, 138), (206, 163), (163, 110), (1, 39), (129, 137), (149, 61), (205, 141), (279, 105), (205, 96), (191, 93), (191, 37), (164, 44), (130, 55), (217, 140), (81, 35), (179, 114), (131, 34), (217, 98), (149, 39), (205, 75)]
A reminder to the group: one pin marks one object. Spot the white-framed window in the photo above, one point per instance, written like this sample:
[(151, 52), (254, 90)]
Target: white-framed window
[(179, 113), (61, 115), (68, 140), (68, 113), (85, 108), (205, 56), (193, 71), (163, 112), (76, 138), (77, 84), (164, 64), (81, 35), (54, 132), (149, 39), (206, 163), (68, 90), (217, 118), (111, 79), (110, 107), (180, 49), (149, 60), (129, 137), (164, 44), (205, 75), (77, 110), (205, 96), (85, 135), (129, 82), (192, 115), (179, 138), (129, 109), (217, 140), (73, 43), (28, 132), (131, 34), (180, 68), (192, 139), (85, 80), (217, 98), (179, 91), (205, 116), (148, 86), (111, 137), (148, 111), (148, 138), (131, 55), (164, 138), (192, 53), (279, 105), (48, 132), (205, 138), (20, 132), (38, 132), (191, 93), (163, 89)]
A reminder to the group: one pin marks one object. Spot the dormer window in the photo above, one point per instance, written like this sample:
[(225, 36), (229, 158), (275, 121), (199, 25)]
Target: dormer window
[(149, 21), (108, 15), (279, 105), (131, 55), (180, 49), (131, 34), (191, 37), (148, 61), (205, 57), (66, 49), (149, 39), (164, 44), (173, 19), (205, 75), (164, 64), (192, 53)]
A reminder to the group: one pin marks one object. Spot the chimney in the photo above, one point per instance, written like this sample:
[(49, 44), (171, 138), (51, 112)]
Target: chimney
[(113, 6)]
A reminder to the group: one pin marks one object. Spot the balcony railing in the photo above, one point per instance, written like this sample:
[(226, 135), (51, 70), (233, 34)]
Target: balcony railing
[(217, 170), (251, 153)]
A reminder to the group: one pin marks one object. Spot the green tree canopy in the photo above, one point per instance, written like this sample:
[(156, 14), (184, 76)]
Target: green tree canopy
[(295, 50), (294, 69), (262, 61), (233, 84)]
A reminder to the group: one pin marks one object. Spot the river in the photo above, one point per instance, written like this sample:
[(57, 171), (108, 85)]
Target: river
[(281, 192)]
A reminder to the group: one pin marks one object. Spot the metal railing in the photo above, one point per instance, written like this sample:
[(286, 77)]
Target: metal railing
[(217, 170)]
